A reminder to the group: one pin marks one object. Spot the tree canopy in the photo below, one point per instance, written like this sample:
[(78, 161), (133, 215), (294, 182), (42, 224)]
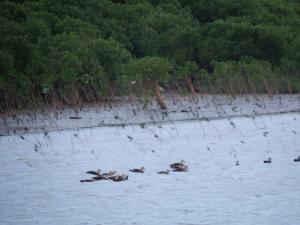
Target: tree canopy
[(47, 46)]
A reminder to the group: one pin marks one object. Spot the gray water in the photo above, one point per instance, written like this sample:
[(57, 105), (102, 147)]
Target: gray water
[(40, 185)]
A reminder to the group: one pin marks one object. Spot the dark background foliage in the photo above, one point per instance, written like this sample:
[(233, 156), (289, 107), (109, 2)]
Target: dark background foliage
[(99, 47)]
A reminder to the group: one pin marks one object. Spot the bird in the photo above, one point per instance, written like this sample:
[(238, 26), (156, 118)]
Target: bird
[(166, 172), (180, 168), (87, 180), (109, 173), (140, 170), (297, 159), (98, 172), (237, 163), (269, 160), (99, 177), (181, 163), (118, 178)]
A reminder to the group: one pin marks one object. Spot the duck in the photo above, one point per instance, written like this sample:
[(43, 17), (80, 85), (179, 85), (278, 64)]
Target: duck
[(99, 177), (166, 172), (87, 180), (181, 163), (109, 173), (140, 170), (118, 178), (180, 168), (97, 172), (269, 160), (297, 159)]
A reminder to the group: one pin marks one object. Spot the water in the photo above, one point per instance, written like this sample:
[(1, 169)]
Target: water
[(40, 185)]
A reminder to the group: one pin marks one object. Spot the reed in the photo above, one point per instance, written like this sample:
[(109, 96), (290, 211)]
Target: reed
[(78, 94)]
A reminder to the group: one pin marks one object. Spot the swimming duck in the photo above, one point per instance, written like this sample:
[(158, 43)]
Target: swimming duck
[(118, 178), (180, 168), (109, 173), (87, 180), (269, 160), (98, 172), (164, 172), (141, 170), (99, 177), (297, 159), (174, 165)]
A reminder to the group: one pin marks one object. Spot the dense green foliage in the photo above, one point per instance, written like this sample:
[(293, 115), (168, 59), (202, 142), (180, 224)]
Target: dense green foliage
[(92, 48)]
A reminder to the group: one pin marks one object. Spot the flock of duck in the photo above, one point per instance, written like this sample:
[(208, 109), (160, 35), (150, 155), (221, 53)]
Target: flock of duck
[(175, 167), (114, 176)]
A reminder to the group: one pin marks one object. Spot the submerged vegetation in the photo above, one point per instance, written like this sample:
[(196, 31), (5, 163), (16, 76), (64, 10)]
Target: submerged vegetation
[(69, 52)]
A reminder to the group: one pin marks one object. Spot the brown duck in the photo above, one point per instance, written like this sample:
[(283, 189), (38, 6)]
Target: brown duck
[(87, 180), (180, 168), (174, 165), (96, 178), (118, 178), (99, 177), (97, 172), (140, 170), (109, 173)]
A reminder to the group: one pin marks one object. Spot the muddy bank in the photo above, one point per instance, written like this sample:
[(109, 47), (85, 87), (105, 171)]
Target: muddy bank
[(125, 111)]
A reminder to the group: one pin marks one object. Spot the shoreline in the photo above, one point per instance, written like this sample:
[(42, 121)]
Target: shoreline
[(123, 112)]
